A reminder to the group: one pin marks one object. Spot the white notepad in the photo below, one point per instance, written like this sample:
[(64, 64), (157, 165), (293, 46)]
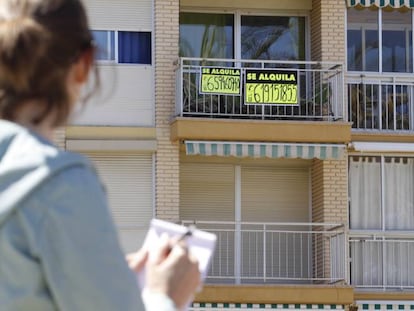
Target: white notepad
[(201, 244)]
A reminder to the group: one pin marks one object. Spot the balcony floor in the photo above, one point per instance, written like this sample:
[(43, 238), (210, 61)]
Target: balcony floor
[(183, 128)]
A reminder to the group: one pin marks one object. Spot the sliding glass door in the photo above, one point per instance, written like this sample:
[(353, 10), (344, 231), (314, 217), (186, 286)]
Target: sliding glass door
[(206, 35), (213, 35)]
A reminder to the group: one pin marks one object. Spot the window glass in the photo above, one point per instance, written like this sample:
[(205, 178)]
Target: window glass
[(378, 206), (371, 51), (396, 41), (354, 50), (134, 47), (363, 40), (105, 42), (273, 37), (206, 35)]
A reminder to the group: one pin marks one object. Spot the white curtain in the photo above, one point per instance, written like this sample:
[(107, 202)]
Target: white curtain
[(387, 260), (365, 192), (399, 193)]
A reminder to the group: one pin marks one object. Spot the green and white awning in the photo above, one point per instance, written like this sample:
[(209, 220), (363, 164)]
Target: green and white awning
[(385, 305), (265, 150), (261, 306), (397, 4)]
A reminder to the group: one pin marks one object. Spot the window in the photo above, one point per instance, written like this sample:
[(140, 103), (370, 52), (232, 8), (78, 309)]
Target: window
[(381, 193), (381, 221), (213, 35), (272, 37), (206, 35), (123, 47), (379, 40)]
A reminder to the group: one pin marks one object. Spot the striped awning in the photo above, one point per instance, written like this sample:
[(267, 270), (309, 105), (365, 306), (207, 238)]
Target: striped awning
[(265, 150), (397, 4)]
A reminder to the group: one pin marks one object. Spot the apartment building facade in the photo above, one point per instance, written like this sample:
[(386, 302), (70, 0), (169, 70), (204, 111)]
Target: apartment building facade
[(285, 127)]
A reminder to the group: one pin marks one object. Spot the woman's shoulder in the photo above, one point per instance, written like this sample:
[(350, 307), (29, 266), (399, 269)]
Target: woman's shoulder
[(24, 148), (29, 162)]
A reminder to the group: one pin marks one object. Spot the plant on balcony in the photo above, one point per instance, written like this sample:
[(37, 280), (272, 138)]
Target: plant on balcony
[(319, 106)]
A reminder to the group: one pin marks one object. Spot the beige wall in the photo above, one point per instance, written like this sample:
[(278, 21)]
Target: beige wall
[(167, 156), (125, 97)]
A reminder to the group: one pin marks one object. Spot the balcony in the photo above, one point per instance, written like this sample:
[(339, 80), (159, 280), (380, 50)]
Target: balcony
[(237, 109), (381, 260), (276, 253), (319, 91), (381, 102)]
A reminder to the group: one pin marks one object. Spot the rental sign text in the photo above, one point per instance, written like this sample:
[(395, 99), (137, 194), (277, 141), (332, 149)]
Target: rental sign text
[(271, 87), (218, 80)]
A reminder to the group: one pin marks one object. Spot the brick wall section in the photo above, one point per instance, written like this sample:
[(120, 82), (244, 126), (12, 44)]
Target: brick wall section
[(330, 191), (166, 17), (315, 24), (330, 205), (317, 191), (328, 23)]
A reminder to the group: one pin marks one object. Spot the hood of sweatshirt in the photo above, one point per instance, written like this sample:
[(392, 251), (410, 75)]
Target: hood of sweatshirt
[(26, 162)]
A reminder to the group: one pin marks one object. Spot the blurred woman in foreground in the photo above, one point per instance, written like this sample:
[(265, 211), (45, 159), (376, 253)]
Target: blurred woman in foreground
[(58, 245)]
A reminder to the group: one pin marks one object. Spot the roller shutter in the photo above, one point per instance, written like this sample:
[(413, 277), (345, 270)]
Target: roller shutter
[(207, 194), (267, 194), (127, 15), (274, 195), (129, 183)]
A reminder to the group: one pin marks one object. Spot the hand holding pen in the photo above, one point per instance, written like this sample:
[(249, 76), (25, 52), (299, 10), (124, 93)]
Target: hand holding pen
[(170, 268), (172, 261)]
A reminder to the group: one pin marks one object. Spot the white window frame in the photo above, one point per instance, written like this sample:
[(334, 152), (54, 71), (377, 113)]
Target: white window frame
[(237, 24), (380, 27), (115, 52)]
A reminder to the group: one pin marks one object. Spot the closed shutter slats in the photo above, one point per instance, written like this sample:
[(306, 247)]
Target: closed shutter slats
[(207, 192), (128, 15), (128, 181)]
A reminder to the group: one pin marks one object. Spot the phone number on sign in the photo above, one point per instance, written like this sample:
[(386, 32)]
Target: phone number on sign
[(268, 93)]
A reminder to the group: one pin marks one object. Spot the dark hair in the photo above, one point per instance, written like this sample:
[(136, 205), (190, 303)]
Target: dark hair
[(39, 41)]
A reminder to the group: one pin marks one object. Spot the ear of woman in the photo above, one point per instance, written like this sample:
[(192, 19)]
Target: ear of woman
[(78, 75), (83, 65)]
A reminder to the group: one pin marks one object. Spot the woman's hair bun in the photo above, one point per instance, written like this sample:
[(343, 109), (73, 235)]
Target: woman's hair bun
[(23, 42)]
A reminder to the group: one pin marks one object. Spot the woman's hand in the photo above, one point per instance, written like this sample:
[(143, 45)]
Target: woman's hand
[(170, 270)]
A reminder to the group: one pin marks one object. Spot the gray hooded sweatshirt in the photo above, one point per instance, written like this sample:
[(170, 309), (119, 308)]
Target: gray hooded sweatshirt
[(58, 245)]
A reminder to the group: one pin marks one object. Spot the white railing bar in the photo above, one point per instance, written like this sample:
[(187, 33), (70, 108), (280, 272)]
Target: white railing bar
[(264, 253), (277, 278), (379, 233), (335, 72), (327, 233), (258, 61), (262, 223), (382, 241)]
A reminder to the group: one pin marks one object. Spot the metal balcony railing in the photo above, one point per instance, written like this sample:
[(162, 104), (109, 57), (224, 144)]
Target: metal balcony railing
[(381, 102), (276, 253), (382, 260), (319, 88)]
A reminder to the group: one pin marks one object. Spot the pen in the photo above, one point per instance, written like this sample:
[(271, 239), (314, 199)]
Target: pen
[(186, 234)]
